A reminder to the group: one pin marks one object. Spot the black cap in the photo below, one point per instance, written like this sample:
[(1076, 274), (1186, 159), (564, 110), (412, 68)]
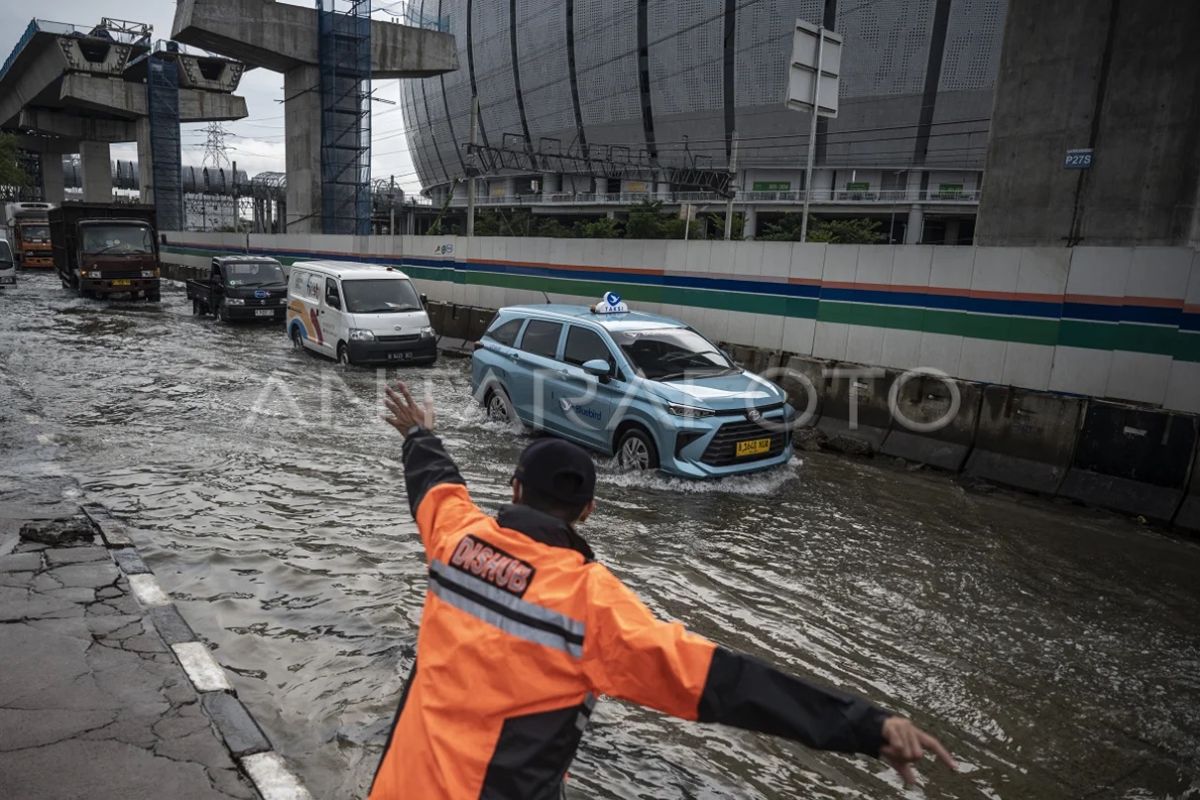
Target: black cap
[(558, 469)]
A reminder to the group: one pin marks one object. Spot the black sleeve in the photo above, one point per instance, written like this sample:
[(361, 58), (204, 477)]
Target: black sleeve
[(746, 693), (426, 464)]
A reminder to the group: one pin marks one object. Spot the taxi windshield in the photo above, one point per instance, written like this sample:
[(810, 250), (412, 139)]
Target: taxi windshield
[(254, 273), (380, 296), (672, 353)]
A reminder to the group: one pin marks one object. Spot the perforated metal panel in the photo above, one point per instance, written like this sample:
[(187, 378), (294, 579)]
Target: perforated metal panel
[(493, 69), (973, 39), (457, 85), (542, 56), (886, 47), (764, 45), (162, 98), (606, 66), (445, 161)]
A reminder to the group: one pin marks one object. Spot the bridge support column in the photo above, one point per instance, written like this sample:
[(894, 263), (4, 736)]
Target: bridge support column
[(145, 161), (53, 184), (302, 127), (95, 162)]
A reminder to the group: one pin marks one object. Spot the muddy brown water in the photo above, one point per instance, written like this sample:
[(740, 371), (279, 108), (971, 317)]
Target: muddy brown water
[(1055, 649)]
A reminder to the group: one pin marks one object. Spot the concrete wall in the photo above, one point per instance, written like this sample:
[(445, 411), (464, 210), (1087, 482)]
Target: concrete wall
[(1117, 77), (1119, 322)]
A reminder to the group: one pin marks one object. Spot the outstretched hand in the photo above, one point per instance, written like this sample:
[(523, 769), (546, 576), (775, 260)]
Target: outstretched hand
[(404, 412), (904, 744)]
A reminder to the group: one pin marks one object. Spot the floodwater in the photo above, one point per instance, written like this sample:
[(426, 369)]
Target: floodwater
[(1054, 649)]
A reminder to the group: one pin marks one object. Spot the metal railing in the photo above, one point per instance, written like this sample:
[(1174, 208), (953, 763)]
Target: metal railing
[(819, 196)]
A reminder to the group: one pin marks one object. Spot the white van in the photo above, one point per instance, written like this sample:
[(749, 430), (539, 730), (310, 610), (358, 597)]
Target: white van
[(8, 268), (358, 313)]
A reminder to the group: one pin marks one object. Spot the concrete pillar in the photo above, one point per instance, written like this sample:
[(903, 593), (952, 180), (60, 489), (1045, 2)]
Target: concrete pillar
[(953, 230), (302, 129), (913, 188), (53, 185), (145, 161), (551, 183), (95, 162), (601, 186), (916, 225), (750, 226)]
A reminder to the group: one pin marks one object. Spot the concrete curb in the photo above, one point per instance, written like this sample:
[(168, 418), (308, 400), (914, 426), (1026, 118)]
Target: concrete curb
[(242, 735)]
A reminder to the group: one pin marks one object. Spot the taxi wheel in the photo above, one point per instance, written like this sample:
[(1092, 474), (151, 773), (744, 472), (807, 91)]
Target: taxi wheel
[(297, 342), (344, 355), (497, 407), (636, 451)]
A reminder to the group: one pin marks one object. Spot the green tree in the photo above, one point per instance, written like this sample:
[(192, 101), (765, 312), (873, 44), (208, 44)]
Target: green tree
[(647, 220), (831, 231), (11, 172), (602, 228)]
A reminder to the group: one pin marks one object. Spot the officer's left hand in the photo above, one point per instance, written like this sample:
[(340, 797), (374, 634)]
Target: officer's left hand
[(404, 412), (904, 744)]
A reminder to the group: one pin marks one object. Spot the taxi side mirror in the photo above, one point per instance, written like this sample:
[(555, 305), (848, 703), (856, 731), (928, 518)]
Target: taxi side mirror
[(598, 368)]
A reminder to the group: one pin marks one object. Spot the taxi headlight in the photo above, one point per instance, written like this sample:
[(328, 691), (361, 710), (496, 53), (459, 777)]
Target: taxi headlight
[(361, 335), (427, 332), (234, 301), (689, 411)]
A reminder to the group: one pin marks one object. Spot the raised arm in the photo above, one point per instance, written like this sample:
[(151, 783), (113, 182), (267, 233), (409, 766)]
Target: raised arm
[(437, 493)]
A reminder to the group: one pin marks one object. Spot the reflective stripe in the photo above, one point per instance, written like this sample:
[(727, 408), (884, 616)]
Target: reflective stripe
[(509, 601), (558, 641)]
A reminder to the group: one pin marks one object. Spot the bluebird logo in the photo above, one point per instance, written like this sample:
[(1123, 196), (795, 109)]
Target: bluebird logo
[(262, 294), (612, 299), (611, 304)]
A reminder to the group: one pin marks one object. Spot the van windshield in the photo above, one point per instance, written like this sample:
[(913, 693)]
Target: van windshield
[(117, 239), (254, 273), (668, 354), (380, 296)]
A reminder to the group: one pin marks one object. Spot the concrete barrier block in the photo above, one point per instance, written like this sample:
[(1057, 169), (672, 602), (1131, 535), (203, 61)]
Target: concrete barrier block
[(855, 407), (803, 379), (934, 422), (1025, 439), (1132, 460), (457, 321), (1188, 517), (479, 319), (437, 316)]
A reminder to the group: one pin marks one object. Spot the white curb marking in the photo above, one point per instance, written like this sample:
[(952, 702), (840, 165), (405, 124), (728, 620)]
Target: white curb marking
[(203, 670), (272, 777), (147, 591)]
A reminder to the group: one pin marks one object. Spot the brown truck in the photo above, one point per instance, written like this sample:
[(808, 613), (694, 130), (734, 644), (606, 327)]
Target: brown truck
[(30, 233), (104, 249)]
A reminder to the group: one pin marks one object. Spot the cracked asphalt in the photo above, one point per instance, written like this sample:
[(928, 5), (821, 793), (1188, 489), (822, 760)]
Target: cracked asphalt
[(92, 703)]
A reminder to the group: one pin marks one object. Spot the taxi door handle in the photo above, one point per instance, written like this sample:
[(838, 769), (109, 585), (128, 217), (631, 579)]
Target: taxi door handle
[(515, 356)]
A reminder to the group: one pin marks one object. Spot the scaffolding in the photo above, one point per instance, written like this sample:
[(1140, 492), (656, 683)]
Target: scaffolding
[(162, 102), (344, 61)]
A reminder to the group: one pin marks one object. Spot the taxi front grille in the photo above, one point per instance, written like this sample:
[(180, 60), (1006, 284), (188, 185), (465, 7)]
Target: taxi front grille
[(408, 337), (722, 450)]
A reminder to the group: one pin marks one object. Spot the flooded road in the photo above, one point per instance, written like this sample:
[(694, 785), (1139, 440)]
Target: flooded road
[(1055, 650)]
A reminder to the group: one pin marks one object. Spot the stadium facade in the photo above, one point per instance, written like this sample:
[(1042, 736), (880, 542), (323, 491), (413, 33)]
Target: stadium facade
[(677, 82)]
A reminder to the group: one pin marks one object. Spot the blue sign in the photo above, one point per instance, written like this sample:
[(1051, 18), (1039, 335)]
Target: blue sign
[(262, 294), (613, 299), (1079, 159)]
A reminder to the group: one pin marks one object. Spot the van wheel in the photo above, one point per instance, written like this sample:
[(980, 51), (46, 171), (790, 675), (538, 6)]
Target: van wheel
[(344, 355), (297, 340), (636, 451), (195, 308)]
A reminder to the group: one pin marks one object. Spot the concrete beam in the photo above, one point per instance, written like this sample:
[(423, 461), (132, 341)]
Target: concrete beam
[(281, 37), (69, 126), (117, 98)]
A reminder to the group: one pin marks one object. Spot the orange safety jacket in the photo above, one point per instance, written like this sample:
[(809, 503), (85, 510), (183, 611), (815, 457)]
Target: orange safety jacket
[(522, 630)]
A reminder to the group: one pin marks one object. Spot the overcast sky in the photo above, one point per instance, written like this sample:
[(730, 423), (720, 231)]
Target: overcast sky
[(258, 143)]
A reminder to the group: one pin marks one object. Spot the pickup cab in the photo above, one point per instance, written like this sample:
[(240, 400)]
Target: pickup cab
[(241, 288), (106, 249)]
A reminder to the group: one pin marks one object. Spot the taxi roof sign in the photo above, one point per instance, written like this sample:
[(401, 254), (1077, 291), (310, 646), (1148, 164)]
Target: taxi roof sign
[(610, 304)]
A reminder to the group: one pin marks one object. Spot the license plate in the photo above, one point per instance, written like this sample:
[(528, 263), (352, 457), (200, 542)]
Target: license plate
[(122, 283), (753, 447), (399, 356), (264, 312)]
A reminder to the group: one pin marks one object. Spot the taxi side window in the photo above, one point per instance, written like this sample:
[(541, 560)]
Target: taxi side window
[(297, 281), (313, 290), (541, 338), (584, 345), (506, 334), (332, 298)]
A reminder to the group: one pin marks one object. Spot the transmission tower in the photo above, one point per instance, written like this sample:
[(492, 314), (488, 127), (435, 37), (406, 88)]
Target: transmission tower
[(215, 156), (215, 209)]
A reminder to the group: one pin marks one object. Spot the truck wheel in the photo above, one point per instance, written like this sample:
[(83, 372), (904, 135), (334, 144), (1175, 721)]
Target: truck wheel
[(154, 296), (222, 311), (344, 355), (195, 308), (637, 451)]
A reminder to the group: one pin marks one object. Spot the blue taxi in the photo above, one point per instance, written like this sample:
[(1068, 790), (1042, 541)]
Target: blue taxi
[(646, 388)]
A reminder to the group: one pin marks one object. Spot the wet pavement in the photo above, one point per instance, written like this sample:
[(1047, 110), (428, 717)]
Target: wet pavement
[(1055, 649)]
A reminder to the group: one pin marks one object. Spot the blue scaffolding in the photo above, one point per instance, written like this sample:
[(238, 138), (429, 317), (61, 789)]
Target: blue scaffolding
[(162, 101), (344, 55)]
